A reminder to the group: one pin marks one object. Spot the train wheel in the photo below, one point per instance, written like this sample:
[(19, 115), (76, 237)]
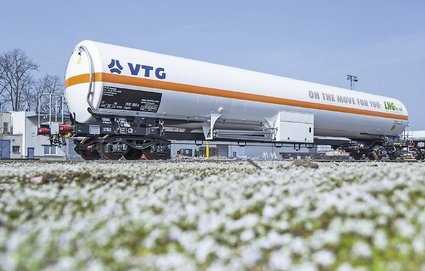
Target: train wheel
[(89, 152), (106, 155), (376, 154), (133, 154), (418, 155), (392, 156), (373, 156), (155, 156), (357, 155)]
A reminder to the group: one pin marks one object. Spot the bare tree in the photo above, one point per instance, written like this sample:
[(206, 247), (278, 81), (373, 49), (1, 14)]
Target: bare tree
[(16, 78), (39, 95), (2, 99), (1, 77)]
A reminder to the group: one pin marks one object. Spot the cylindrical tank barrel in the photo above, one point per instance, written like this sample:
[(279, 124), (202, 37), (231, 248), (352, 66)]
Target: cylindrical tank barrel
[(108, 79)]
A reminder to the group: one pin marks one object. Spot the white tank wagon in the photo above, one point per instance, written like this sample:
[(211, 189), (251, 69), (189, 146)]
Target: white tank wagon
[(125, 102)]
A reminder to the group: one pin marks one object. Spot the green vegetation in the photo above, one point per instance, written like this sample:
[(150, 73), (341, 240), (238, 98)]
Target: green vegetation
[(211, 216)]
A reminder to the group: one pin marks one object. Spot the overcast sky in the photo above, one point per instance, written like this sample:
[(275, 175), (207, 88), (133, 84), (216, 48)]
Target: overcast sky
[(380, 41)]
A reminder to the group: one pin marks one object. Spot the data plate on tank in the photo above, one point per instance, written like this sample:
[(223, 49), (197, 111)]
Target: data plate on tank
[(130, 99)]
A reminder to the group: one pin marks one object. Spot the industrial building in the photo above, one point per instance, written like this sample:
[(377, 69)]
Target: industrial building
[(19, 139)]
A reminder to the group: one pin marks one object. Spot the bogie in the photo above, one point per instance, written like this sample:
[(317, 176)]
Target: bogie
[(114, 148), (133, 154), (107, 151)]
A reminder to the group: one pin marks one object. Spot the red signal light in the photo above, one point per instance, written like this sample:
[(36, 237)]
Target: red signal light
[(64, 129), (43, 131)]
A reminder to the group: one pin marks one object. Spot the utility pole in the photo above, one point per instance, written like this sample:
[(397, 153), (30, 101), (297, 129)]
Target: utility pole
[(352, 79)]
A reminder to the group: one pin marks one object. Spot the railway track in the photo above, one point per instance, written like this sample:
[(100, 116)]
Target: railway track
[(362, 161), (212, 161)]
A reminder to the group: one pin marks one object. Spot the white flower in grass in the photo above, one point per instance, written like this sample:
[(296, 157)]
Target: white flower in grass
[(15, 240), (305, 266), (295, 202), (205, 247), (331, 237), (122, 255), (216, 266), (175, 233), (421, 218), (361, 226), (235, 264), (336, 224), (209, 223), (273, 239), (223, 252), (211, 199), (171, 261), (361, 249), (280, 260), (8, 262), (345, 267), (323, 257), (3, 236), (281, 225), (382, 220), (380, 239), (316, 240), (418, 245), (366, 228), (151, 238), (250, 255), (95, 265), (395, 266), (404, 228), (298, 246), (269, 212), (246, 222), (65, 263), (247, 235)]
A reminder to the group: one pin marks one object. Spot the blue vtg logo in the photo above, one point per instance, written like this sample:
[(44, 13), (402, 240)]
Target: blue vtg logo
[(115, 66), (137, 69)]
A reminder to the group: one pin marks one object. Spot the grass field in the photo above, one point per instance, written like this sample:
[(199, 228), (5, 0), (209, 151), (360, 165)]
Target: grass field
[(212, 216)]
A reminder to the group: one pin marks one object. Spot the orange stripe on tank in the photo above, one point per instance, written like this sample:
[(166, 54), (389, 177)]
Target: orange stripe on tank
[(143, 82)]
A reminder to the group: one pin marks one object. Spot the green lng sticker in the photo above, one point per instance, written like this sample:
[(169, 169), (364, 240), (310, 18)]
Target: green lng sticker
[(391, 106)]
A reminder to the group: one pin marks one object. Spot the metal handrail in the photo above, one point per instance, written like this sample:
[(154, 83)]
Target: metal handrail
[(50, 107), (91, 74)]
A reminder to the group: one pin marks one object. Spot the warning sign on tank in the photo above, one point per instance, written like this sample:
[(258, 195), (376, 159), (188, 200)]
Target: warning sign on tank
[(130, 99)]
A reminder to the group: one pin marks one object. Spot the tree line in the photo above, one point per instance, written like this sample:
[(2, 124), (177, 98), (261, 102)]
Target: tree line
[(20, 90)]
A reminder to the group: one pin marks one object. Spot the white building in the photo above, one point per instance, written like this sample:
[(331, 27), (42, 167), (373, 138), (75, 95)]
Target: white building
[(10, 144), (420, 134), (19, 136)]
